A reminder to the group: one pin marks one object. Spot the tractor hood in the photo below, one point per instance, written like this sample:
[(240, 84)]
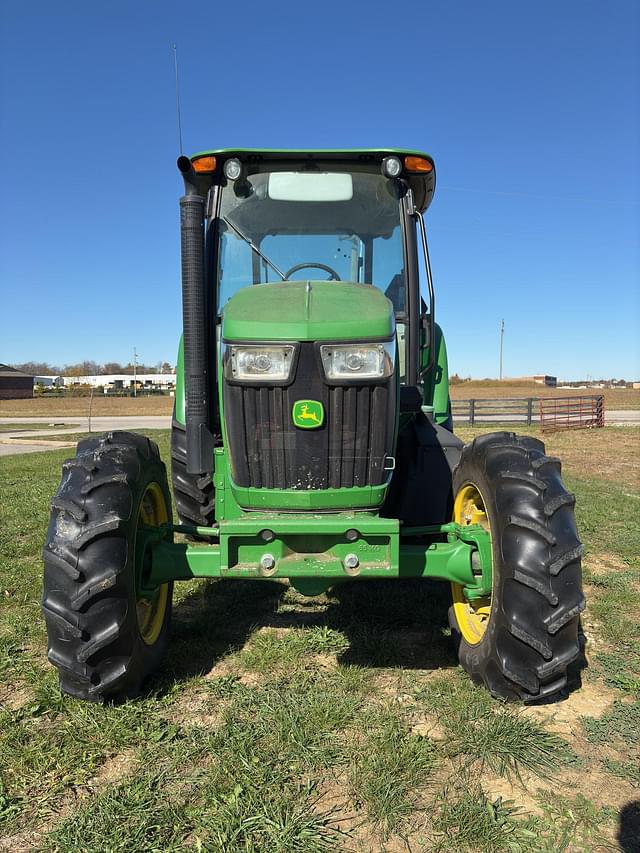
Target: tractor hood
[(308, 311)]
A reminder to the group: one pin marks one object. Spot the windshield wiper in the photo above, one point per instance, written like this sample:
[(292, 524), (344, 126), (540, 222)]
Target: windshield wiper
[(254, 248)]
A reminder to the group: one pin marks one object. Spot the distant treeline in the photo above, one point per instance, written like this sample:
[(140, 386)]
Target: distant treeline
[(90, 368)]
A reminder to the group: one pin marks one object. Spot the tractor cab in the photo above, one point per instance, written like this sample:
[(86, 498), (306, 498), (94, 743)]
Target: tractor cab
[(316, 247)]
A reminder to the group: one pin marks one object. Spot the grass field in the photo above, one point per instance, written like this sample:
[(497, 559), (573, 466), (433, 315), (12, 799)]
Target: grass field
[(341, 722), (18, 427), (71, 406)]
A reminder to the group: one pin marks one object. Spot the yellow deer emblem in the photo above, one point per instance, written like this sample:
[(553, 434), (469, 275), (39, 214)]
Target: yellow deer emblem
[(308, 414), (305, 415)]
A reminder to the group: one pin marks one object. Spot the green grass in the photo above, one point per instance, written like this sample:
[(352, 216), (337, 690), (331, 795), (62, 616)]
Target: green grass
[(606, 513), (389, 770), (578, 823), (155, 434), (466, 821), (621, 723), (22, 427), (270, 651), (482, 733), (281, 723)]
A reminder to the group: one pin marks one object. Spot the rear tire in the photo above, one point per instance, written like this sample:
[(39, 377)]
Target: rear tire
[(531, 634), (104, 638), (193, 493)]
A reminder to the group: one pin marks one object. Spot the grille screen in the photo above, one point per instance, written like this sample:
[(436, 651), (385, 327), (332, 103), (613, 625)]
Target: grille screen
[(267, 451)]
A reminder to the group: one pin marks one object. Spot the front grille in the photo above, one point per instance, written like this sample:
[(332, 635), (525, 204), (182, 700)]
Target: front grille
[(267, 451)]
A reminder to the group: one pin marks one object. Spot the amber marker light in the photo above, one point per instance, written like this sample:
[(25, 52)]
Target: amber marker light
[(204, 165), (417, 164)]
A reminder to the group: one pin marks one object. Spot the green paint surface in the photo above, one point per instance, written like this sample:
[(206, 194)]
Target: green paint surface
[(312, 152), (307, 414), (290, 311), (310, 547)]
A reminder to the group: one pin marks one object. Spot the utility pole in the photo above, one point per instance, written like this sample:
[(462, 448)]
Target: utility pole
[(135, 372), (501, 342)]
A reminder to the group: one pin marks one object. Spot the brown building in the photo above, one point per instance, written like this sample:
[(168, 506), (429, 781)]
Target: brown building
[(542, 379), (14, 384)]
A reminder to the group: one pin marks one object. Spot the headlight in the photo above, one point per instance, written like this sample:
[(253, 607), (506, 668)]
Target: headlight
[(358, 361), (257, 362)]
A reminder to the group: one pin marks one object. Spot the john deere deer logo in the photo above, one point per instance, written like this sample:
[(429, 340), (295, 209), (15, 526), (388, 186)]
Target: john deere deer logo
[(308, 414)]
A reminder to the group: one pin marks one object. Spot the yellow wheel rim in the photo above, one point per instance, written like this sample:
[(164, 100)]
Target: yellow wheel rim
[(151, 611), (472, 617)]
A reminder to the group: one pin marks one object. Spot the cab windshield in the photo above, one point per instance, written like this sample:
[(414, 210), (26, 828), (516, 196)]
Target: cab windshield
[(311, 225)]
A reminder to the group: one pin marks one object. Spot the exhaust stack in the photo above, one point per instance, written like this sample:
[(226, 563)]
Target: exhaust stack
[(196, 356)]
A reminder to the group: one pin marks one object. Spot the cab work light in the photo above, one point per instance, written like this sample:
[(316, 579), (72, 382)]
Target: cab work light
[(391, 167), (232, 169)]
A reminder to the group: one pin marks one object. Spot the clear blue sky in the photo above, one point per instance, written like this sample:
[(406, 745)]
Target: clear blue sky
[(529, 109)]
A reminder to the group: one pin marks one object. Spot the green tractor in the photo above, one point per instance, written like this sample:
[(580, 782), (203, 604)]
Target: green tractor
[(312, 439)]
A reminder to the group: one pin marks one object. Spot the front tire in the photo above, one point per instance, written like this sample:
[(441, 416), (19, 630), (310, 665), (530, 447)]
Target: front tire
[(105, 637), (520, 641)]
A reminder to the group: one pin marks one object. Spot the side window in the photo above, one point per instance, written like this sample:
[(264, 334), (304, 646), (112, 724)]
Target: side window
[(236, 266), (386, 273)]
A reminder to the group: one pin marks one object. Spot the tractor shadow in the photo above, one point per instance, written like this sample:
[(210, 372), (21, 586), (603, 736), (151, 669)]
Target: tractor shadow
[(629, 827), (392, 625), (401, 624), (212, 621)]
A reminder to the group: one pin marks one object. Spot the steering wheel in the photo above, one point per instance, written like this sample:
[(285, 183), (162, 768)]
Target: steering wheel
[(334, 275)]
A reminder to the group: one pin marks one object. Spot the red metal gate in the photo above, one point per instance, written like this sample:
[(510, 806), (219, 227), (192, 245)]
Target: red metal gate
[(571, 413)]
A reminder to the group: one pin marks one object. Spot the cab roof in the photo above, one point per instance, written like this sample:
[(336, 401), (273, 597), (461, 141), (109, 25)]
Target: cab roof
[(422, 183)]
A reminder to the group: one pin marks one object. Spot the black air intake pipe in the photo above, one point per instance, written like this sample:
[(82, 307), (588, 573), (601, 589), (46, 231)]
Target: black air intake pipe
[(194, 319)]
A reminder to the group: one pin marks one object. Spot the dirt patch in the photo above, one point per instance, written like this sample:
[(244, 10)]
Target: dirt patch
[(229, 667), (591, 700), (202, 707), (597, 786), (22, 841), (498, 786), (114, 769), (334, 798), (591, 628), (14, 698), (604, 564), (324, 661), (197, 711), (429, 726)]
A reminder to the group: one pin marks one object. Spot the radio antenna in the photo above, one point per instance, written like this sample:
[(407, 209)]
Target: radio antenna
[(175, 64)]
